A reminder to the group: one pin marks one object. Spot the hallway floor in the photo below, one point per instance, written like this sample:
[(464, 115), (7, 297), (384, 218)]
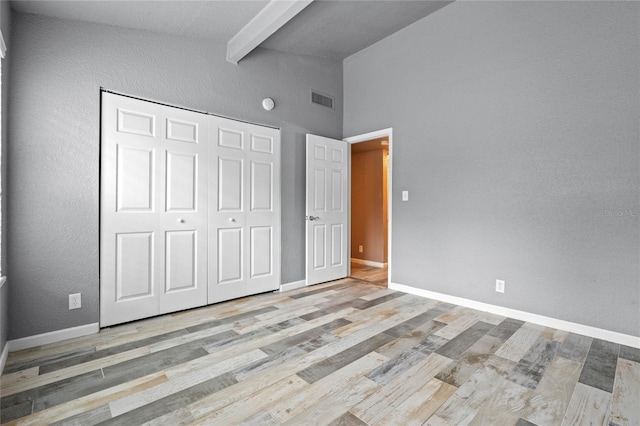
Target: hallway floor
[(369, 273)]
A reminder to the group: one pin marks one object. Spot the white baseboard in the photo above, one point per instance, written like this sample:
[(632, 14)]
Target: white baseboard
[(3, 357), (369, 263), (52, 337), (572, 327), (293, 285)]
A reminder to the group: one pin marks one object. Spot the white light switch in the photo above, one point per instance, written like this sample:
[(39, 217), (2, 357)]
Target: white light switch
[(405, 195)]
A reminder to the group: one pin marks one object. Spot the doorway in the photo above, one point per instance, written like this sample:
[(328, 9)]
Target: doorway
[(370, 207), (328, 209)]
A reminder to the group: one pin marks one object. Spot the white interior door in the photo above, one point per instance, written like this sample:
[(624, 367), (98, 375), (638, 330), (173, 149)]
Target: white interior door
[(244, 194), (327, 209), (153, 209)]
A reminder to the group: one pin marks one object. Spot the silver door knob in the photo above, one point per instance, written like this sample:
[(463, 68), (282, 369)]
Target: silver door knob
[(314, 217)]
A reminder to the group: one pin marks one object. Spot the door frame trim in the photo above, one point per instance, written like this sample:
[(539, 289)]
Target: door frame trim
[(388, 133)]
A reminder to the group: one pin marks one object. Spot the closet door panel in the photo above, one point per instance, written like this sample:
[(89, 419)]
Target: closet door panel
[(245, 173), (230, 256), (134, 178), (181, 260), (153, 221), (263, 214), (185, 152), (261, 240), (134, 265), (226, 210), (130, 183), (181, 181), (230, 184)]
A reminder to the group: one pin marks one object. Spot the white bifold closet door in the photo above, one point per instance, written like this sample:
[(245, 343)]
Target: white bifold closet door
[(161, 248), (244, 204), (154, 209)]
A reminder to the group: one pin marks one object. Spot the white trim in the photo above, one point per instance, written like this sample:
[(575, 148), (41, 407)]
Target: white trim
[(269, 20), (3, 357), (3, 47), (52, 337), (387, 133), (573, 327), (368, 262), (293, 285), (2, 281)]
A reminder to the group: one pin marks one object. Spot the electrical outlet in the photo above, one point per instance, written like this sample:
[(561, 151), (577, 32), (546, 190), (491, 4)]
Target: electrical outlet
[(75, 301), (360, 249), (500, 286)]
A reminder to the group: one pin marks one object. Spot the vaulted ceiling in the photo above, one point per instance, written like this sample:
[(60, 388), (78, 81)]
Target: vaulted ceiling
[(324, 28)]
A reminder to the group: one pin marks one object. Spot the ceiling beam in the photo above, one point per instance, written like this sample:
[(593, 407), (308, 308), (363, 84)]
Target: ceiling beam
[(274, 15)]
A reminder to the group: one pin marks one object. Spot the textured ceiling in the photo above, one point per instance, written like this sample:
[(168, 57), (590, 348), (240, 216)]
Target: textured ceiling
[(217, 20), (326, 28), (337, 29)]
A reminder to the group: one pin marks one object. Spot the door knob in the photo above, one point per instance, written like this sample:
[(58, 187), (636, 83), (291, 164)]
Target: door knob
[(231, 219), (314, 217), (181, 220)]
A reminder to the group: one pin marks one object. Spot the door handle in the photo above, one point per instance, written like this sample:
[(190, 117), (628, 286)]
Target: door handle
[(314, 218)]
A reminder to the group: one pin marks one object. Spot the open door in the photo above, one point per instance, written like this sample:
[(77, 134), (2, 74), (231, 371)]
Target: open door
[(327, 209)]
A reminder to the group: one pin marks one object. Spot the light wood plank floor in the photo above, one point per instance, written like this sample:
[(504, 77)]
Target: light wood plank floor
[(342, 353), (369, 273)]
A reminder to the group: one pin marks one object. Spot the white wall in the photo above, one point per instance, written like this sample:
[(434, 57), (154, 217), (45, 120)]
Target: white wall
[(515, 130), (58, 68)]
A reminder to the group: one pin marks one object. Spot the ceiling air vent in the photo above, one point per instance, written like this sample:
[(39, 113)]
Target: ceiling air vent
[(321, 99)]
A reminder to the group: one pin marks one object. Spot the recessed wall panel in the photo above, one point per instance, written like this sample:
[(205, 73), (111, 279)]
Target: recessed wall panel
[(229, 255), (182, 181), (229, 184), (230, 138), (183, 131), (261, 250), (180, 258), (134, 265), (134, 179), (261, 186)]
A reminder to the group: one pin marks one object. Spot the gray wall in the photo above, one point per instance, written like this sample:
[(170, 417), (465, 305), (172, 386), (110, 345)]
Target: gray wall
[(58, 67), (516, 134), (5, 25)]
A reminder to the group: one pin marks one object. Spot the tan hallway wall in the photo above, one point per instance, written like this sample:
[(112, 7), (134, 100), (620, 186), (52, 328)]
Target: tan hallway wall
[(368, 206)]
